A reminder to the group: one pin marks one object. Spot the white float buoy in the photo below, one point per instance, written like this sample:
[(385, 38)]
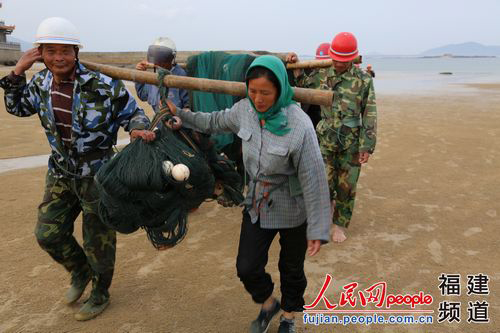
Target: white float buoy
[(180, 172)]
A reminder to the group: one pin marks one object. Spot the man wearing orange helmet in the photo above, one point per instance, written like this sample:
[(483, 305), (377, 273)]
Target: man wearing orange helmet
[(347, 130), (322, 51), (313, 110)]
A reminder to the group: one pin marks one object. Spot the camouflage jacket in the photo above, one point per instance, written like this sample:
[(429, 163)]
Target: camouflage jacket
[(352, 119), (100, 106)]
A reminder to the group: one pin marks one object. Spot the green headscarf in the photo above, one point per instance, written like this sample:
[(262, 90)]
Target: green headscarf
[(275, 120)]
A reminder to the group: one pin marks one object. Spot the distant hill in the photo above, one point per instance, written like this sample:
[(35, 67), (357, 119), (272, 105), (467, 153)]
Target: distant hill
[(464, 49), (24, 45)]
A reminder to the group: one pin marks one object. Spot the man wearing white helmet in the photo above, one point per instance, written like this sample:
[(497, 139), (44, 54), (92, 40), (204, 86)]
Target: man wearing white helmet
[(162, 54), (81, 112)]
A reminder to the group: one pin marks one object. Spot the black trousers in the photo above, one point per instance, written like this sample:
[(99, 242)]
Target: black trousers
[(252, 259)]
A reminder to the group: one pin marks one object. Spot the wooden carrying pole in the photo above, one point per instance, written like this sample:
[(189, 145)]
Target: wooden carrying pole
[(308, 96), (310, 64), (298, 65)]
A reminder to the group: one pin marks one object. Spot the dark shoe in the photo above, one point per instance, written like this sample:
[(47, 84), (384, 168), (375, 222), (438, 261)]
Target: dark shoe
[(79, 282), (261, 324), (286, 325), (91, 308)]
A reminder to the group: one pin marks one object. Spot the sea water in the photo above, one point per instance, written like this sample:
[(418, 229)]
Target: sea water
[(412, 75), (417, 75)]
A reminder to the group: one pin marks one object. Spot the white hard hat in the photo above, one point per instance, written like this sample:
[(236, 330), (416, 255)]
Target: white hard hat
[(165, 42), (162, 50), (57, 30)]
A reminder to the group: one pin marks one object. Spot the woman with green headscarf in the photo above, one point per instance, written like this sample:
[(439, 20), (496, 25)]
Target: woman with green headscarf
[(287, 191)]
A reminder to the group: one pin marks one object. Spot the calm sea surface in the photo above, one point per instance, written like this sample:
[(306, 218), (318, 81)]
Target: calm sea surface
[(411, 75), (422, 75)]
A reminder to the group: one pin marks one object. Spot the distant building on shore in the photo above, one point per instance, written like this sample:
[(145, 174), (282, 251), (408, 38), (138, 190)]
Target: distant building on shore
[(9, 52)]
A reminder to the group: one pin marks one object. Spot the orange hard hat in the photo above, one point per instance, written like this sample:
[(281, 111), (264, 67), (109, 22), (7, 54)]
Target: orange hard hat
[(322, 51), (344, 47)]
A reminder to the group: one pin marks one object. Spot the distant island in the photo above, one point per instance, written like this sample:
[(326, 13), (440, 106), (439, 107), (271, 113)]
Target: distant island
[(448, 55), (463, 50)]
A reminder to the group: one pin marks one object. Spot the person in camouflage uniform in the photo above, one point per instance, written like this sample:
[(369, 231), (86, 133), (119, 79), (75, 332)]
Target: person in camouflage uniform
[(96, 106), (347, 130)]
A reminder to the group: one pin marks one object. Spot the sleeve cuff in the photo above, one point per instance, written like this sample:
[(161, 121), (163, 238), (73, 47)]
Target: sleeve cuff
[(15, 79), (137, 127), (367, 150)]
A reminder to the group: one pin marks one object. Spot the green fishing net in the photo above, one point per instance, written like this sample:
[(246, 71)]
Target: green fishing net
[(138, 191)]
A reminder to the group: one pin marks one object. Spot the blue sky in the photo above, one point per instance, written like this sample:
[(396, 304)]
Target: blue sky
[(383, 26)]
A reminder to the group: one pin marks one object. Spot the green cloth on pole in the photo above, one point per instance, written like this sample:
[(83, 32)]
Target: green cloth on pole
[(217, 66)]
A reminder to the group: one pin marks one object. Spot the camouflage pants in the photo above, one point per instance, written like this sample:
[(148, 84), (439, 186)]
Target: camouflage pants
[(342, 171), (63, 201)]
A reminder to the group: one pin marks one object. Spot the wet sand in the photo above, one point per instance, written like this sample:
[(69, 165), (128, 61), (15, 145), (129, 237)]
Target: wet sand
[(486, 86), (427, 204)]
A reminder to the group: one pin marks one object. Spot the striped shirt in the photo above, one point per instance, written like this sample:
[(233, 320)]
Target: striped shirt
[(62, 103)]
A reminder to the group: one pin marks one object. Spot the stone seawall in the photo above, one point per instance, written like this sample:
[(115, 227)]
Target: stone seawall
[(114, 58), (9, 57)]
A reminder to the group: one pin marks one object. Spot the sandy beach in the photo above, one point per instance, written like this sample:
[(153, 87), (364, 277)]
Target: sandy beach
[(428, 203)]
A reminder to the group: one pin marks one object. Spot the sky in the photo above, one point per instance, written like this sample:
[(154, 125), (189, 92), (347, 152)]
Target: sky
[(399, 27)]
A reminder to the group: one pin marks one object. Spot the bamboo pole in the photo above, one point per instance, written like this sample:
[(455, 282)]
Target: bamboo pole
[(310, 64), (308, 96), (298, 65)]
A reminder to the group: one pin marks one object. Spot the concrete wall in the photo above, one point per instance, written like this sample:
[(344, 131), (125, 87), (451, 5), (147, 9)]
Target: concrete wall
[(113, 58), (9, 57)]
